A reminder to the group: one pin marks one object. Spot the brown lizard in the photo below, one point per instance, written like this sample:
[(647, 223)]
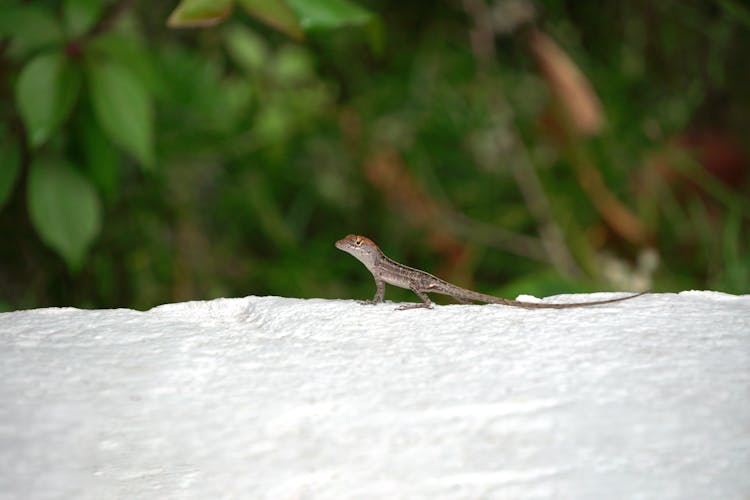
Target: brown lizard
[(386, 270)]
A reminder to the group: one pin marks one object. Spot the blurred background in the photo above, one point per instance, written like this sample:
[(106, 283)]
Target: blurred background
[(155, 152)]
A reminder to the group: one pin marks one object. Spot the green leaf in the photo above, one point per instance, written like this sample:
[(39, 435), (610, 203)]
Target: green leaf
[(10, 160), (199, 13), (30, 28), (64, 209), (123, 108), (130, 51), (272, 123), (275, 13), (292, 64), (246, 48), (80, 15), (45, 92), (102, 159), (328, 14)]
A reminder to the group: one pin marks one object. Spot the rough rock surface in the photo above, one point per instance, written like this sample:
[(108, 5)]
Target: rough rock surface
[(268, 397)]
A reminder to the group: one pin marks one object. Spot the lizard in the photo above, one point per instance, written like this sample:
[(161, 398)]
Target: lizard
[(385, 270)]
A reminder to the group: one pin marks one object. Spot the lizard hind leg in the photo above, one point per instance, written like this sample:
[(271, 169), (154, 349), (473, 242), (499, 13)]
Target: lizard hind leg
[(426, 302)]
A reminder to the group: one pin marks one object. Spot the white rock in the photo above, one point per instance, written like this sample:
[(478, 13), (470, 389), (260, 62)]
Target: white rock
[(267, 397)]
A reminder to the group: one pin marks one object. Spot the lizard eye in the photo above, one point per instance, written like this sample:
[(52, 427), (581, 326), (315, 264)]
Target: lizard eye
[(358, 242)]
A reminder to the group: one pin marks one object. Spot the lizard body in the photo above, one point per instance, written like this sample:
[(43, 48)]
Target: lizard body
[(385, 270)]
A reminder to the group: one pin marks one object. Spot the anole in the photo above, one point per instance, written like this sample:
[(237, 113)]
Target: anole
[(386, 270)]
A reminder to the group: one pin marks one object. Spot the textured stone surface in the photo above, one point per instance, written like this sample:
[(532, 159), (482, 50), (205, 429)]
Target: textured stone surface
[(266, 397)]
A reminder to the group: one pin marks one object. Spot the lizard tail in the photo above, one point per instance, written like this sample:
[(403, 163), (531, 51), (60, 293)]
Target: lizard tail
[(462, 293)]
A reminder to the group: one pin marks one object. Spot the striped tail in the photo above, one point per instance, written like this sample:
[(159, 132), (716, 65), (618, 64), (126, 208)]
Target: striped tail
[(462, 293)]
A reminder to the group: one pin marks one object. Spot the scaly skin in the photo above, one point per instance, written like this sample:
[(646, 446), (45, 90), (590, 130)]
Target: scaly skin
[(385, 270)]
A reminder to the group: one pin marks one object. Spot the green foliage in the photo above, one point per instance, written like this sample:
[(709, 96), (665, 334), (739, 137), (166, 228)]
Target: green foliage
[(162, 165), (328, 14), (123, 108), (45, 93), (81, 15), (64, 209), (275, 13), (249, 51), (10, 161), (31, 28), (292, 17), (200, 13), (101, 160)]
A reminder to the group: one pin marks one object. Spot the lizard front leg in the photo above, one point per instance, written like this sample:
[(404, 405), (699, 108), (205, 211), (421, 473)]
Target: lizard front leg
[(379, 293), (426, 302)]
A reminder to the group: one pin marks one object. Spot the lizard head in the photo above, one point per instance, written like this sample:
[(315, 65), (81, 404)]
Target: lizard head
[(363, 249)]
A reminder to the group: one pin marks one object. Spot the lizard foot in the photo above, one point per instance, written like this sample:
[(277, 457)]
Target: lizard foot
[(413, 306)]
